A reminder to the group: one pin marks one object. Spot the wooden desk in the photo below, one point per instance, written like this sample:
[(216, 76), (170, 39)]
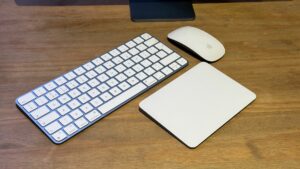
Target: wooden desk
[(263, 53)]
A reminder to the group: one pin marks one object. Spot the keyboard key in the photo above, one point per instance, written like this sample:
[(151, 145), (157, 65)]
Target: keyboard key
[(120, 68), (64, 98), (74, 93), (73, 104), (72, 84), (112, 72), (84, 98), (70, 129), (161, 54), (82, 79), (89, 66), (30, 106), (130, 44), (137, 59), (117, 60), (152, 50), (149, 81), (83, 88), (138, 67), (93, 92), (141, 47), (174, 66), (86, 108), (49, 86), (106, 57), (60, 135), (97, 61), (181, 61), (151, 42), (145, 54), (129, 72), (100, 69), (128, 63), (103, 87), (141, 76), (65, 120), (124, 86), (157, 66), (115, 91), (133, 51), (121, 77), (48, 118), (93, 115), (106, 96), (103, 77), (159, 75), (76, 114), (41, 100), (149, 71), (169, 59), (53, 127), (125, 55), (26, 98), (167, 71), (39, 91), (61, 80), (91, 74), (163, 47), (154, 58), (80, 71), (53, 104), (109, 64), (52, 95), (62, 89), (146, 36), (123, 48), (138, 40), (121, 98), (114, 52), (96, 102), (36, 114), (70, 75), (132, 80), (63, 110), (146, 63), (81, 122), (93, 82)]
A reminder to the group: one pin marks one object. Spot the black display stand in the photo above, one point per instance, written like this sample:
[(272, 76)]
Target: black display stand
[(161, 10)]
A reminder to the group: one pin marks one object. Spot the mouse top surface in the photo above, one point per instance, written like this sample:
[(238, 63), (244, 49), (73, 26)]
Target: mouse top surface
[(199, 41)]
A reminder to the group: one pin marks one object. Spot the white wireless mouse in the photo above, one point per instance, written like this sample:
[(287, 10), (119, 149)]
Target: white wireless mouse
[(199, 42)]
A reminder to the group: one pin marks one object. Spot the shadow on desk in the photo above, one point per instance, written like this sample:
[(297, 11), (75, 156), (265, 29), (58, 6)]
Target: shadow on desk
[(110, 2)]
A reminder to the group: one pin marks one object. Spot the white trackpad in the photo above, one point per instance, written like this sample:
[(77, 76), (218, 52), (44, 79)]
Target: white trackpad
[(196, 104)]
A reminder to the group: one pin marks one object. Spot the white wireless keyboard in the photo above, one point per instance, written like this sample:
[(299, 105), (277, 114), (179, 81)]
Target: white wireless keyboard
[(73, 101)]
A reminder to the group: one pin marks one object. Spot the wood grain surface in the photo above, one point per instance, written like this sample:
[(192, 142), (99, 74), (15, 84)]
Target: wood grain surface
[(262, 41)]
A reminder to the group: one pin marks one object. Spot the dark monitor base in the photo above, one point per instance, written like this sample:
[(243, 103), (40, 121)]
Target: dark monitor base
[(161, 10)]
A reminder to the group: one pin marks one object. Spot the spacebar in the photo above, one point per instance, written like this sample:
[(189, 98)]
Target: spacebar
[(121, 98)]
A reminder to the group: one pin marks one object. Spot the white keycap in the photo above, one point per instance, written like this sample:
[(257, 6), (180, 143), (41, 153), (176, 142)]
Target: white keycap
[(62, 89), (133, 51), (100, 69), (123, 48), (70, 75), (50, 85), (52, 95), (112, 73), (72, 84), (39, 112), (121, 98), (79, 70), (93, 92), (146, 63), (132, 80), (70, 129), (146, 36), (137, 59), (61, 80), (97, 61), (64, 98), (53, 127), (103, 87), (120, 68), (129, 72), (157, 66), (121, 77), (154, 58), (81, 79), (93, 115), (169, 59), (128, 63), (41, 100), (65, 120), (115, 91), (149, 71), (86, 108), (145, 54), (96, 102), (167, 71), (48, 118), (103, 77), (84, 98), (106, 96), (149, 81), (117, 60), (138, 40), (138, 67), (114, 52), (89, 66), (161, 54), (159, 75), (26, 98), (152, 50), (63, 110), (141, 47), (151, 42), (74, 93), (124, 86), (76, 114), (112, 82), (174, 66), (83, 88), (125, 55), (30, 106), (60, 135), (73, 104), (130, 44), (91, 74), (109, 64), (181, 61), (93, 82), (141, 76), (81, 122), (39, 91), (106, 57), (53, 104)]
